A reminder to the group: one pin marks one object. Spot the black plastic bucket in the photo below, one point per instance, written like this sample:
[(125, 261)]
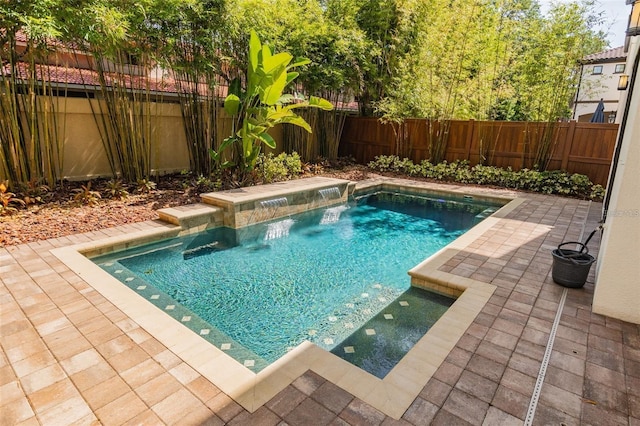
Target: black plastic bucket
[(571, 267)]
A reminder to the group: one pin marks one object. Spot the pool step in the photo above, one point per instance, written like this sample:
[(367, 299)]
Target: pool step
[(351, 316), (484, 214), (194, 216)]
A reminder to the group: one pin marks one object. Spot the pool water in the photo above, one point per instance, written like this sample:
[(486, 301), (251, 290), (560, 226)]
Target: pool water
[(382, 341), (319, 276)]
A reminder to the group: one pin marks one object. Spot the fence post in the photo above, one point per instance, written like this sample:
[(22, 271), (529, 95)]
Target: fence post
[(568, 143), (470, 137)]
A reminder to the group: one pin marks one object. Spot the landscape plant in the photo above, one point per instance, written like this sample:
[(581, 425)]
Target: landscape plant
[(116, 190), (86, 195), (124, 57), (262, 104), (34, 192), (546, 182), (281, 167), (8, 200), (31, 137), (191, 53)]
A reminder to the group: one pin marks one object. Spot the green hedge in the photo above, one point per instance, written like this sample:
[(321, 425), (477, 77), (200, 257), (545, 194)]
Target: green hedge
[(547, 182)]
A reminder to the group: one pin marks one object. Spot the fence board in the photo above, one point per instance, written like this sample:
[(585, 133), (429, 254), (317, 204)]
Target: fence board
[(585, 148)]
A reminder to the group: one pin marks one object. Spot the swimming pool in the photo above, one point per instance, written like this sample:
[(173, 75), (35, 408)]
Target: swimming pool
[(317, 276)]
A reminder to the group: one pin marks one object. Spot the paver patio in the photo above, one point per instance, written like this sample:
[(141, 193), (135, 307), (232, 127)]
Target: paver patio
[(70, 356)]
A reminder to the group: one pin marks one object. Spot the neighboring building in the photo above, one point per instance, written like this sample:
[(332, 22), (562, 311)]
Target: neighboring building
[(599, 76)]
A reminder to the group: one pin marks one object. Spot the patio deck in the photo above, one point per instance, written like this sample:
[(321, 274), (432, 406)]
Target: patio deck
[(70, 356)]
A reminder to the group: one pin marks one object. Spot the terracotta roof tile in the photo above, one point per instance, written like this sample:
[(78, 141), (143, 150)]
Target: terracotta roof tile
[(89, 78), (609, 55)]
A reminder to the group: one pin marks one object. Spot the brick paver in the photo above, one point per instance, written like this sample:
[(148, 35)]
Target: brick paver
[(69, 356)]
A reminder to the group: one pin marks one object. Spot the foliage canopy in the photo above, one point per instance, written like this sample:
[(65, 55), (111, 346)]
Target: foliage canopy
[(437, 59)]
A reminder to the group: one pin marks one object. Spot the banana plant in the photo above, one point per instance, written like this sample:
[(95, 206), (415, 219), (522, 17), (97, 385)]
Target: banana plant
[(264, 105)]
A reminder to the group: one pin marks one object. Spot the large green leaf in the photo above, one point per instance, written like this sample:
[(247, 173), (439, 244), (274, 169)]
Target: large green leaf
[(226, 143), (255, 47), (278, 113), (267, 139), (291, 76), (297, 121), (286, 99), (321, 103), (299, 62), (272, 64), (235, 88), (272, 93)]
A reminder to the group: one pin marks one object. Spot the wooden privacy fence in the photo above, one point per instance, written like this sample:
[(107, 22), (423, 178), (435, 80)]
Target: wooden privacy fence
[(585, 148)]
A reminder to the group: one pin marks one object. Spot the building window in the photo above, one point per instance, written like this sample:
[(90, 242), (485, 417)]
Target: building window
[(619, 68), (597, 69)]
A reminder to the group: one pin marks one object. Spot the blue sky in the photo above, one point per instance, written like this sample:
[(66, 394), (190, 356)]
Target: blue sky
[(616, 14)]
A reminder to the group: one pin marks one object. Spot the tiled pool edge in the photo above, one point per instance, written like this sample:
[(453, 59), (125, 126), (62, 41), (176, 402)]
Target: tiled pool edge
[(391, 395)]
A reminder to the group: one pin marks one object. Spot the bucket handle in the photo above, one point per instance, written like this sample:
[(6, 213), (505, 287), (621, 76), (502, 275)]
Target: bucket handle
[(583, 246), (583, 249)]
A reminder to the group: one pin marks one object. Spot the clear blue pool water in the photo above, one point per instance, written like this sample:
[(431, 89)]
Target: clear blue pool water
[(319, 276)]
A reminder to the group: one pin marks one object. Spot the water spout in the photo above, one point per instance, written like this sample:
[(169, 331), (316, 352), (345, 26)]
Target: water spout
[(267, 209), (330, 194)]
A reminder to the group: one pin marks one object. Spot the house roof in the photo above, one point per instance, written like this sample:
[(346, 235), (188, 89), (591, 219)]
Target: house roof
[(89, 79), (617, 54)]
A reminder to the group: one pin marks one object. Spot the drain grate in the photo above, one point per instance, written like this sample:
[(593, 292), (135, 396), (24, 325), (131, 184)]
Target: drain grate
[(528, 421)]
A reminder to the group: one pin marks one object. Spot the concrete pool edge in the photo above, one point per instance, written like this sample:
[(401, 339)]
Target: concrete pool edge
[(391, 395)]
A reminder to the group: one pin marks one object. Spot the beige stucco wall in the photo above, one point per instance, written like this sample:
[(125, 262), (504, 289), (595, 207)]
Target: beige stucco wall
[(84, 155), (617, 292)]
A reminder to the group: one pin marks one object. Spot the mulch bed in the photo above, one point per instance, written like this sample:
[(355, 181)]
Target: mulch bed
[(62, 215)]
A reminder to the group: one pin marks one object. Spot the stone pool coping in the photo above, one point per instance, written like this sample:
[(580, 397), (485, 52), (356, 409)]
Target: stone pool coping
[(391, 395)]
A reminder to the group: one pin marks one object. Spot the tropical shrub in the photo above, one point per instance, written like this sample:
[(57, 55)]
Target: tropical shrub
[(546, 182), (85, 195), (8, 199), (116, 190), (278, 168), (34, 192), (145, 186), (263, 104)]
